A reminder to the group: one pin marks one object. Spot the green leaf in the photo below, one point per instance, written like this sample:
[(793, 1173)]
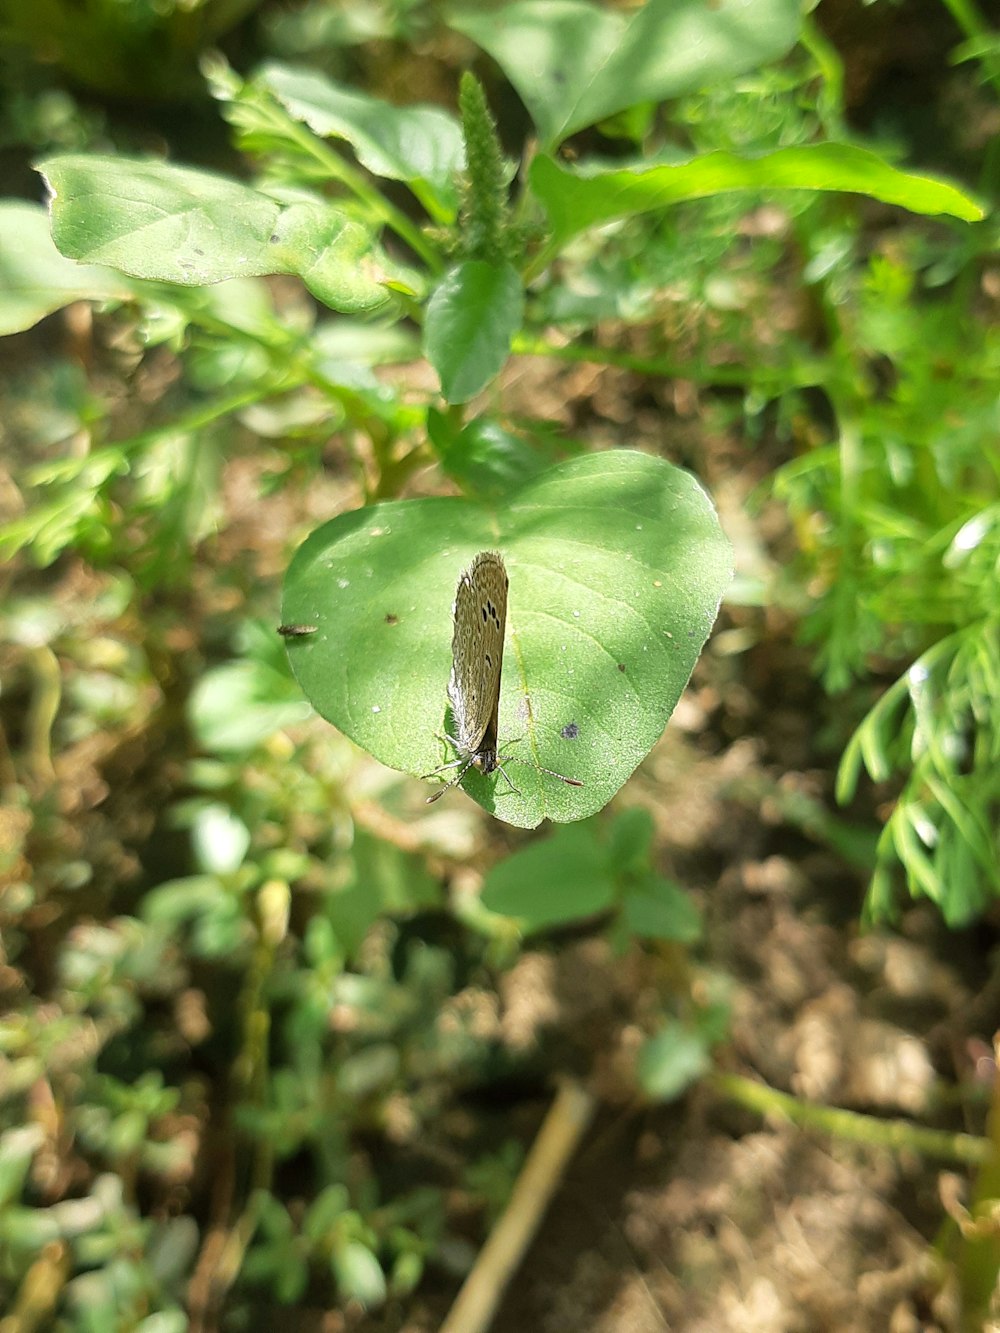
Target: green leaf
[(172, 224), (219, 839), (236, 706), (359, 1276), (407, 1272), (575, 63), (631, 837), (471, 318), (28, 1229), (325, 1212), (372, 1071), (291, 1279), (657, 909), (17, 1150), (215, 916), (383, 880), (158, 221), (421, 145), (552, 882), (35, 278), (332, 255), (671, 1061), (617, 565), (575, 202), (483, 456), (164, 1321)]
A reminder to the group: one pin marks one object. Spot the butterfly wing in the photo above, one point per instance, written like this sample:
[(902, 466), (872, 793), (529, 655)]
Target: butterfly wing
[(477, 651)]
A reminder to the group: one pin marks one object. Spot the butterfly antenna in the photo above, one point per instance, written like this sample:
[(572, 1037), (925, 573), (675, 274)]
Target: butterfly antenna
[(540, 768), (570, 782)]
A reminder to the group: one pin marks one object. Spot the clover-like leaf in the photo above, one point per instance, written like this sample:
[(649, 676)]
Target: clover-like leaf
[(616, 564)]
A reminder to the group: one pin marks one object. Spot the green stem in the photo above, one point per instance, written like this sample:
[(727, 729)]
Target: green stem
[(780, 379), (852, 1125), (336, 168)]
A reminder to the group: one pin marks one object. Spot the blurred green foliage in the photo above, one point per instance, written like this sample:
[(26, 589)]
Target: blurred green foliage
[(238, 998)]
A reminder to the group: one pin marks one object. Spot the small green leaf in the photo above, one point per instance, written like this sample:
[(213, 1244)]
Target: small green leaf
[(554, 881), (631, 836), (575, 202), (471, 318), (325, 1212), (368, 1072), (215, 917), (164, 1321), (359, 1276), (383, 880), (28, 1229), (333, 256), (671, 1061), (236, 706), (484, 457), (126, 1134), (17, 1150), (617, 565), (656, 909), (220, 839), (407, 1271)]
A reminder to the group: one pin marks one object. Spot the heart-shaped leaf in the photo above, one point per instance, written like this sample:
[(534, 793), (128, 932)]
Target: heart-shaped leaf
[(616, 564)]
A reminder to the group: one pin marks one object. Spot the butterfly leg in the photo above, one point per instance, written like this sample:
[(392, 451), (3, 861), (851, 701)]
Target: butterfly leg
[(467, 764), (510, 784)]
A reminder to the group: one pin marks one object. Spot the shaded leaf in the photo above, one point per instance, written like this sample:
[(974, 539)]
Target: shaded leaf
[(575, 63), (552, 882)]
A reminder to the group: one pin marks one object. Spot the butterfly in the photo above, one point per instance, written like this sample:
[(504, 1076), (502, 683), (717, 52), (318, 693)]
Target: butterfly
[(480, 618)]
